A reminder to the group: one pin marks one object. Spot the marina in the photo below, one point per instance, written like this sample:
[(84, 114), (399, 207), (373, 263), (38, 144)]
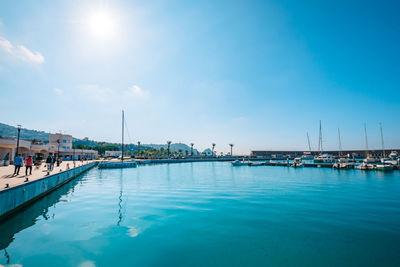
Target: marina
[(156, 211)]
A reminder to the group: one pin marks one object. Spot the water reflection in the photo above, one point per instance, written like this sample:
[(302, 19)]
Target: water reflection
[(29, 215), (121, 182)]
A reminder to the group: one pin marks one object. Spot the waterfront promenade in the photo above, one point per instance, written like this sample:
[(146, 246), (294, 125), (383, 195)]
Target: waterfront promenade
[(7, 177)]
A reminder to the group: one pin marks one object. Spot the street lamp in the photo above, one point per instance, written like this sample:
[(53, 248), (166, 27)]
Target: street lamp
[(58, 149), (19, 132)]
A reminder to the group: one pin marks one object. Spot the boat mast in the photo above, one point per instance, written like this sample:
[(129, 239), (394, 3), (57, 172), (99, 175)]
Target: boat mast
[(308, 140), (340, 143), (320, 148), (366, 140), (383, 144), (122, 156)]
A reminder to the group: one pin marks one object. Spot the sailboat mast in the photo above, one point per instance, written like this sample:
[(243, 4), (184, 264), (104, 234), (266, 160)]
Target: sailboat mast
[(383, 144), (320, 148), (122, 156), (366, 140), (308, 140), (340, 142)]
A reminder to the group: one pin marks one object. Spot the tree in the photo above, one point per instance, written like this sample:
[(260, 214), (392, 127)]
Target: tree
[(169, 147), (231, 145), (191, 148)]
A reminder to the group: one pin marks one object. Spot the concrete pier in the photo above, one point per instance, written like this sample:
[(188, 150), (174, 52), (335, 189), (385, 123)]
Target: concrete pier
[(18, 196)]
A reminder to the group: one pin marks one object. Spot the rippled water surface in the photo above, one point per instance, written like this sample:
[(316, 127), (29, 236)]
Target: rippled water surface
[(211, 214)]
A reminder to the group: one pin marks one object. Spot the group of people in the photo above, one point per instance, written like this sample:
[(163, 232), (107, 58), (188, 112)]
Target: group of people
[(50, 161), (19, 162)]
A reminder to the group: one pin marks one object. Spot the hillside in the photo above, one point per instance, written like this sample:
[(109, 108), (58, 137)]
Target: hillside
[(11, 131)]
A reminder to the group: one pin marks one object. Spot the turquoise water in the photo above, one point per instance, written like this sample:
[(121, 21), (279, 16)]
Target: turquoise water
[(211, 214)]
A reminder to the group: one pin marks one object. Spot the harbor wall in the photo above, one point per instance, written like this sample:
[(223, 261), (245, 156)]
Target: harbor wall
[(15, 198)]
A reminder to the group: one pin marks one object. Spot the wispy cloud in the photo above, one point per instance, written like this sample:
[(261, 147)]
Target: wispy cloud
[(20, 52), (136, 91), (58, 91)]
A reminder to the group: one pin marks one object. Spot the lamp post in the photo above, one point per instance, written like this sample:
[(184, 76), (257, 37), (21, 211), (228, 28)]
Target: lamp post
[(19, 132), (58, 148)]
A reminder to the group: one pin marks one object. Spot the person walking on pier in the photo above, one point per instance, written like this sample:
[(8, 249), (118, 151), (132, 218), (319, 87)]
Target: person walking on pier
[(17, 163), (28, 165), (49, 162)]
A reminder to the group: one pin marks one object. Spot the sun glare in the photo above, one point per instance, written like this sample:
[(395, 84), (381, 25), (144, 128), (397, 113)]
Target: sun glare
[(102, 24)]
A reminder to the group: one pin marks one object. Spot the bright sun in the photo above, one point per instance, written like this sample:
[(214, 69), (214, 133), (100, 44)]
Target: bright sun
[(102, 24)]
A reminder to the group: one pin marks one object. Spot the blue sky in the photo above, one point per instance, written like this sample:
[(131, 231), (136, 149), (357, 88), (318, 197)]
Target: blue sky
[(259, 74)]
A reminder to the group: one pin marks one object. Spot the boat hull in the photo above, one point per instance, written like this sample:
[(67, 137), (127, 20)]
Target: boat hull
[(115, 165)]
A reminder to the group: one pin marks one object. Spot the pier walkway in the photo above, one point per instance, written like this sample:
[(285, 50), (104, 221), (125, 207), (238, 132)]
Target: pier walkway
[(7, 177)]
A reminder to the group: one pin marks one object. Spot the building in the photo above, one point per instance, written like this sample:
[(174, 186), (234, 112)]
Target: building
[(62, 141), (58, 144)]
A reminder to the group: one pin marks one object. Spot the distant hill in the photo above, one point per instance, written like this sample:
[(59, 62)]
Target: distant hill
[(11, 131), (174, 147)]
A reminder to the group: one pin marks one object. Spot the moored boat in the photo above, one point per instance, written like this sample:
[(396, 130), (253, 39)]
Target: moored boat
[(117, 164), (365, 166), (297, 163), (241, 163), (384, 167), (324, 157)]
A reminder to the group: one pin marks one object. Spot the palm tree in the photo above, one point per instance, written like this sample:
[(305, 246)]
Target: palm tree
[(191, 149), (138, 147), (213, 146), (169, 146), (231, 149)]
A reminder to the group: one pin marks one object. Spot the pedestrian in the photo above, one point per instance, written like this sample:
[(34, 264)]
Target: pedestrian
[(28, 165), (17, 163), (49, 161)]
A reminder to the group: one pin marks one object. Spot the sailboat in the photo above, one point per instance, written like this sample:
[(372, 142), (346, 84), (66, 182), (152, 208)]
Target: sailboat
[(368, 158), (122, 163), (323, 157), (307, 155), (342, 162), (387, 163), (366, 165)]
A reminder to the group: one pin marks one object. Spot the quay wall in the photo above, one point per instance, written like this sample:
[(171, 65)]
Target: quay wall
[(15, 198)]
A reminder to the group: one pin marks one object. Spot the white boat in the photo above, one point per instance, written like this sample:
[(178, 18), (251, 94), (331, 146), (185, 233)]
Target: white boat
[(343, 163), (297, 163), (365, 166), (370, 160), (256, 164), (240, 163), (324, 157), (394, 155), (307, 156)]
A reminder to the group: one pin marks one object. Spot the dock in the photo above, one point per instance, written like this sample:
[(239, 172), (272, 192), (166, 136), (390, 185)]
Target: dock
[(17, 192)]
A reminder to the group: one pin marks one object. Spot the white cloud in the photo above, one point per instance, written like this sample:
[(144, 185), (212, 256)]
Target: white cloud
[(58, 91), (21, 52), (136, 91)]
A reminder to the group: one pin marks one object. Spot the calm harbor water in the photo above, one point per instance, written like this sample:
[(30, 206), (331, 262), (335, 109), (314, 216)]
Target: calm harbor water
[(211, 214)]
